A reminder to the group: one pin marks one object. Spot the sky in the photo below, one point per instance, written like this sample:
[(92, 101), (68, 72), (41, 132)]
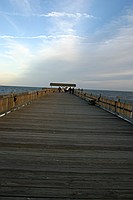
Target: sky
[(87, 42)]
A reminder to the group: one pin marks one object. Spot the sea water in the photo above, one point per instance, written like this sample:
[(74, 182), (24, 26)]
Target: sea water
[(123, 96), (16, 89)]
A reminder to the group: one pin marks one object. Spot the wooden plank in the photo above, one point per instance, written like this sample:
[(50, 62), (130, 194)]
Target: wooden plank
[(59, 147)]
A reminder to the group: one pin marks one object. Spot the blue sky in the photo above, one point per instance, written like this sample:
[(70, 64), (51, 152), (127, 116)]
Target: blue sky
[(87, 42)]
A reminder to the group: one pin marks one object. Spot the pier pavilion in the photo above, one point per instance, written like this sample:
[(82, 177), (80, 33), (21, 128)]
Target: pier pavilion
[(63, 84)]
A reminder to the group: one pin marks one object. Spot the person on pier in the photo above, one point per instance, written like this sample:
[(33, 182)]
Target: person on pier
[(70, 90), (59, 89)]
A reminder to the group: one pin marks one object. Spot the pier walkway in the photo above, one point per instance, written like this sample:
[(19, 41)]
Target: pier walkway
[(61, 148)]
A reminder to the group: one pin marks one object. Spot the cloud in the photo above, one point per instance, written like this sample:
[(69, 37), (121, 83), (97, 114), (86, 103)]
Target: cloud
[(70, 59), (103, 63), (61, 22), (64, 22), (7, 78), (116, 27), (15, 58), (69, 15), (24, 6), (11, 22), (46, 37), (53, 14), (17, 51), (51, 61), (24, 37)]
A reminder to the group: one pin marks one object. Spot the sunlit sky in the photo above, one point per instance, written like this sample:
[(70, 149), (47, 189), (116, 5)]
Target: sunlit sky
[(87, 42)]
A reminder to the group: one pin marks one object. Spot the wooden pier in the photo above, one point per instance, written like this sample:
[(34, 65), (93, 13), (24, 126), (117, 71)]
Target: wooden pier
[(61, 148)]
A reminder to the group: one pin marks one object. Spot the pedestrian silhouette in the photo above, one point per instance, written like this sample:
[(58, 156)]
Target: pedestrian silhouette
[(59, 89)]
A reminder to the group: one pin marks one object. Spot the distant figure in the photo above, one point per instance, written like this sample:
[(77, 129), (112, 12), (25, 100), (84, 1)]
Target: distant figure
[(59, 89), (66, 89), (72, 90), (99, 98), (15, 98)]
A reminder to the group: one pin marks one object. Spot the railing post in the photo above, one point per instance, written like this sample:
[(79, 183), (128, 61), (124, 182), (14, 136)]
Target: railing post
[(115, 106)]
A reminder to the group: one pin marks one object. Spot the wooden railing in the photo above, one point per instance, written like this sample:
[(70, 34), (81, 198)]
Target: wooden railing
[(12, 102), (123, 110)]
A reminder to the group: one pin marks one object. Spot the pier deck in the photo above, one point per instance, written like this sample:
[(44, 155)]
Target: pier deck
[(59, 147)]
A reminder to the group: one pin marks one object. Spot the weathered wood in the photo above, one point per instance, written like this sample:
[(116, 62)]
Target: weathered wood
[(59, 147), (14, 101), (121, 109)]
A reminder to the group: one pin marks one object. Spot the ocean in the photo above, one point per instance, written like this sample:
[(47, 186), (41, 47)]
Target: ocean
[(16, 89), (124, 96)]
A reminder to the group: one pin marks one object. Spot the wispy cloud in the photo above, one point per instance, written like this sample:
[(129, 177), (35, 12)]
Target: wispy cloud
[(62, 22), (47, 37), (69, 15), (24, 37), (53, 14), (116, 27), (24, 7), (17, 56)]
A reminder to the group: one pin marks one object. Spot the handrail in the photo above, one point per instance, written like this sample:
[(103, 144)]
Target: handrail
[(123, 110), (14, 101)]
